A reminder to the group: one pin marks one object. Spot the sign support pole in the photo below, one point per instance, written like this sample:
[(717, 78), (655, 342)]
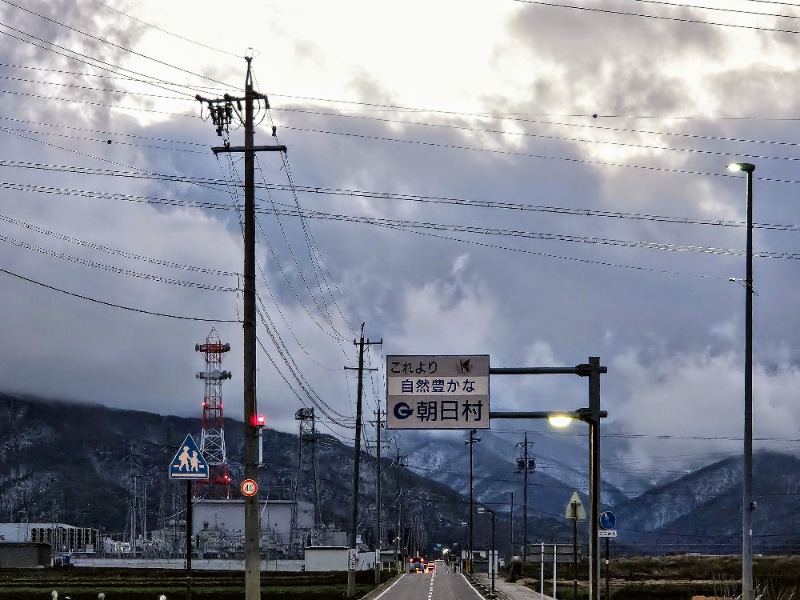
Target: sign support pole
[(608, 570), (188, 539), (574, 549)]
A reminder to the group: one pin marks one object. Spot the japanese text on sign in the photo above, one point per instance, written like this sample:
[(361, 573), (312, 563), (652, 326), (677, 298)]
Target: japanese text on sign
[(437, 392)]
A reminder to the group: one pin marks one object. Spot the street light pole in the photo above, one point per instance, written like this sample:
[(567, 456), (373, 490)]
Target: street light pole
[(492, 556), (748, 505), (592, 416), (471, 442)]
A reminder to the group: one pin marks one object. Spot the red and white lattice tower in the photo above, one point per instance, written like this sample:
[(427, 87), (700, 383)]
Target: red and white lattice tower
[(212, 438)]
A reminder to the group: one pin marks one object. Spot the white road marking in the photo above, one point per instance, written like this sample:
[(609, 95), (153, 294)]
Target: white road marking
[(477, 593), (390, 587)]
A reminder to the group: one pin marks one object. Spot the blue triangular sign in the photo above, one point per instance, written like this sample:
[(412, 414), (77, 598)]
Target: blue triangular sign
[(188, 462)]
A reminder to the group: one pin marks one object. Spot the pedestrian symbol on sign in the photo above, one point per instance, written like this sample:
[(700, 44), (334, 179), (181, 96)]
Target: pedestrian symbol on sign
[(188, 462)]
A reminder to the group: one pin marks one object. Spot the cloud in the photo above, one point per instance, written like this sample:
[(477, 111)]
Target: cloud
[(505, 218), (689, 408)]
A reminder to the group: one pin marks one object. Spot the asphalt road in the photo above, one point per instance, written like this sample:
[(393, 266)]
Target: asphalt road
[(440, 585)]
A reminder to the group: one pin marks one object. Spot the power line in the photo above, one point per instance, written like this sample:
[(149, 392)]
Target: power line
[(716, 8), (175, 35), (112, 305), (117, 252), (112, 269), (492, 204), (112, 44), (559, 137), (656, 17), (521, 154), (415, 226)]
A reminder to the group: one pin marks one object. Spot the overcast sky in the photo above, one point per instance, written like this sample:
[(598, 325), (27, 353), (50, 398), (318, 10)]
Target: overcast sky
[(540, 182)]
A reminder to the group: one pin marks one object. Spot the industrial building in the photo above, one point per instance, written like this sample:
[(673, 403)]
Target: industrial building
[(62, 538)]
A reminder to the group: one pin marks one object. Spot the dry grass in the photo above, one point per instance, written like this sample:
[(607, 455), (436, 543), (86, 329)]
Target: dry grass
[(686, 577)]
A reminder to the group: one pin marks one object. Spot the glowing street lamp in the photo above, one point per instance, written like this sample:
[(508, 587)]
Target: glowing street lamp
[(748, 505), (560, 420)]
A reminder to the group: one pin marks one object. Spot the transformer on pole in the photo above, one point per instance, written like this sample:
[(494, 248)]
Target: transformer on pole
[(212, 437)]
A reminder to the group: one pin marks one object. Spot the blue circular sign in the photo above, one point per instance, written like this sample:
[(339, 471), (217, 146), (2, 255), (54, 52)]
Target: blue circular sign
[(608, 520)]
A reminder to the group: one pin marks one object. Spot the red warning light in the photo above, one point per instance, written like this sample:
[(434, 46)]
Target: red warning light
[(259, 421)]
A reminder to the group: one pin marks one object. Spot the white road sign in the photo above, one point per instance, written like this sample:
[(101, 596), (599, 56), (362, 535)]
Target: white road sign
[(437, 392), (575, 508), (607, 533), (188, 462)]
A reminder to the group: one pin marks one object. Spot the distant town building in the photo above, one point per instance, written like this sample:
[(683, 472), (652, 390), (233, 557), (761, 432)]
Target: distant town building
[(24, 555), (61, 537)]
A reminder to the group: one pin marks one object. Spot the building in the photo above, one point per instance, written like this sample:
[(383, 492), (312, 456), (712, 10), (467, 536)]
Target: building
[(24, 555), (218, 526), (62, 538)]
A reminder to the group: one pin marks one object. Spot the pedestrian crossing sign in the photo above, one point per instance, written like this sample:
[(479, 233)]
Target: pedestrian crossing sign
[(188, 462)]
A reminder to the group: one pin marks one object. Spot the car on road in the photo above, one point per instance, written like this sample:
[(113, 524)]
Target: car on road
[(430, 567), (416, 564)]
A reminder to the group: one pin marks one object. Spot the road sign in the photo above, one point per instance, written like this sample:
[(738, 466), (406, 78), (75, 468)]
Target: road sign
[(188, 462), (608, 520), (575, 510), (607, 533), (437, 392), (352, 559), (560, 553), (248, 487)]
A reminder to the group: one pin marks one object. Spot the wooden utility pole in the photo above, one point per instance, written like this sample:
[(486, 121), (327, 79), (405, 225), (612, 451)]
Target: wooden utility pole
[(378, 539), (222, 111), (525, 464), (351, 566), (399, 464)]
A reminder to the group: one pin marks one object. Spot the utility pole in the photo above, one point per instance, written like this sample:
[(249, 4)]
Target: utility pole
[(351, 566), (222, 111), (399, 464), (511, 525), (378, 564), (527, 465)]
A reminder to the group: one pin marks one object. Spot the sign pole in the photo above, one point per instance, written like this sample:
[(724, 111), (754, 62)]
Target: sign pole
[(608, 569), (574, 550), (189, 464), (188, 539)]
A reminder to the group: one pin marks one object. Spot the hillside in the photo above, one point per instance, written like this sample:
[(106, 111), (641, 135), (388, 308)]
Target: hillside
[(73, 463)]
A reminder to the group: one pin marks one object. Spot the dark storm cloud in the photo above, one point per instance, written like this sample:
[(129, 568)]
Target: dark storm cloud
[(667, 323)]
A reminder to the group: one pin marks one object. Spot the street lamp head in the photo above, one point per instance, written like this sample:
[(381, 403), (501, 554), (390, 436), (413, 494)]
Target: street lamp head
[(743, 166), (559, 419), (481, 510)]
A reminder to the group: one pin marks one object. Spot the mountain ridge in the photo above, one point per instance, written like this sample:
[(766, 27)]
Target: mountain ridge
[(72, 463)]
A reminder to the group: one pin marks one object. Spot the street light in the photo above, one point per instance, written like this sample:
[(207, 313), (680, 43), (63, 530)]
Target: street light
[(492, 556), (591, 415), (748, 505), (560, 419), (461, 560), (471, 442)]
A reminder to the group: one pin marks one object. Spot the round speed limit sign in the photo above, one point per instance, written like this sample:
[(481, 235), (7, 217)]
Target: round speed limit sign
[(249, 487)]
